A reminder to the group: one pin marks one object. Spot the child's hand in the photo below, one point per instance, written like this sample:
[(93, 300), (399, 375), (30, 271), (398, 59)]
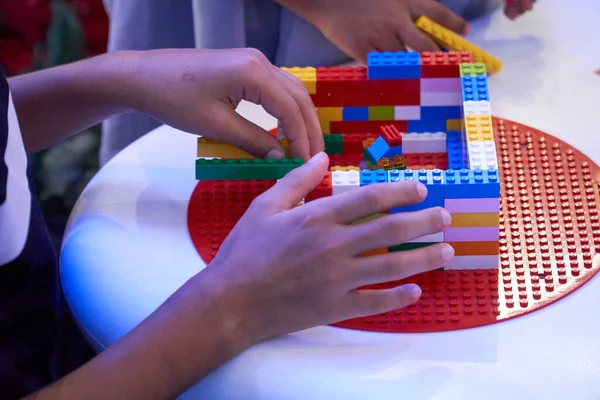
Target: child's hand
[(198, 91), (286, 269), (515, 8), (358, 27)]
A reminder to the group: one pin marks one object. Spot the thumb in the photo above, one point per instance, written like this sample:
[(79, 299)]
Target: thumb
[(298, 183), (238, 131)]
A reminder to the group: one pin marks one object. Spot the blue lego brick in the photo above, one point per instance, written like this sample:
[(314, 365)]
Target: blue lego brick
[(471, 184), (368, 177), (441, 113), (433, 179), (398, 65), (436, 125), (378, 149), (454, 150), (355, 113), (394, 151), (474, 88)]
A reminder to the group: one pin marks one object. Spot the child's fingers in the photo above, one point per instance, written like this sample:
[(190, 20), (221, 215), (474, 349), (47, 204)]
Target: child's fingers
[(399, 228), (361, 303)]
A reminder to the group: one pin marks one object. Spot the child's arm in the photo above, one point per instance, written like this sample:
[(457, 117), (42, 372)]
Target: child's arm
[(194, 90), (300, 271)]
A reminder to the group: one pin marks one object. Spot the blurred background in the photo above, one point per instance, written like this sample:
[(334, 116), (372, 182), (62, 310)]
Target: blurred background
[(36, 34)]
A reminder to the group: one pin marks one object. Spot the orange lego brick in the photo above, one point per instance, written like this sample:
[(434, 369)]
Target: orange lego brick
[(453, 125), (476, 248), (475, 219)]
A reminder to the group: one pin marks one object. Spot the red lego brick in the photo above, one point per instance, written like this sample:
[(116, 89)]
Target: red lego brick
[(322, 190), (439, 160), (349, 127), (391, 135), (396, 92), (443, 64), (375, 126), (346, 86), (321, 100), (353, 142)]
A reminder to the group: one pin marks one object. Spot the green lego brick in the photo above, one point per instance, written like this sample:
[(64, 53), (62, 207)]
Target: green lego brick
[(472, 69), (334, 144), (381, 113), (409, 246), (244, 168)]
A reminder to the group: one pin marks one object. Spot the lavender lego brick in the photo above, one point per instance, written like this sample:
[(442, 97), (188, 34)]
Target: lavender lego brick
[(407, 113), (472, 234), (474, 262), (440, 99), (467, 206), (440, 85)]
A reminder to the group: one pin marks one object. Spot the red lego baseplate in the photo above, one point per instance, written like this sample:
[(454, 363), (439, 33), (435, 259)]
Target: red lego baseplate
[(549, 213)]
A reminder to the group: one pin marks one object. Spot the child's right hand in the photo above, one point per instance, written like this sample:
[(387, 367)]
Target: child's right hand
[(285, 268)]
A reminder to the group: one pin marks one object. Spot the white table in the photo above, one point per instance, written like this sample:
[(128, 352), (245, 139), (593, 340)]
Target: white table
[(127, 249)]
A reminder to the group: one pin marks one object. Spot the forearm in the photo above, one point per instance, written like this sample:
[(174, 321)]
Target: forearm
[(55, 103), (190, 335)]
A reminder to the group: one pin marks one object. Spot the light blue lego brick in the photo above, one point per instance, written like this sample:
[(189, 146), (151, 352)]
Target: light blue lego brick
[(378, 149), (394, 151), (355, 113), (441, 113), (454, 150), (368, 177), (474, 88), (437, 125), (432, 179), (471, 184), (398, 65)]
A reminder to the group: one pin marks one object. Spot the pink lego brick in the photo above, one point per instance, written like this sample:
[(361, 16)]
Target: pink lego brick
[(440, 85), (407, 113), (472, 234), (467, 206), (474, 262), (441, 99)]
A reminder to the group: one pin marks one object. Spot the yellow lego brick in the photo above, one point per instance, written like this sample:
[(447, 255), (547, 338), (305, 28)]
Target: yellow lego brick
[(453, 125), (214, 148), (307, 75), (349, 168), (327, 115), (478, 128), (452, 41), (475, 219)]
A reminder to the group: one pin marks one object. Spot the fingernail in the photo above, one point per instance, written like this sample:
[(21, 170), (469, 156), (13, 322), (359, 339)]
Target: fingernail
[(316, 158), (414, 290), (446, 217), (275, 153), (421, 190), (447, 254)]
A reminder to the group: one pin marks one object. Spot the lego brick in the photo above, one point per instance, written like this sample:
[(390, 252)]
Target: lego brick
[(433, 179), (481, 107), (407, 113), (343, 181), (216, 149), (478, 128), (390, 134), (393, 162), (452, 41), (368, 158), (323, 189), (474, 88), (355, 113), (424, 142), (381, 113), (409, 246), (454, 125), (427, 125), (391, 98), (397, 65), (378, 149), (396, 92), (368, 177), (465, 183), (245, 169), (441, 99), (431, 238), (374, 252), (365, 126), (327, 115), (393, 151), (482, 205), (454, 150), (471, 219), (441, 64), (345, 86), (353, 142), (444, 85), (334, 144), (472, 69), (472, 234), (441, 113), (491, 248), (474, 262), (418, 161), (482, 155), (308, 76)]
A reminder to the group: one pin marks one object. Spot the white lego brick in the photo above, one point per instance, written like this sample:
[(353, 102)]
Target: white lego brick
[(477, 108), (407, 113), (482, 155), (424, 142), (440, 99), (474, 262), (343, 181), (432, 238)]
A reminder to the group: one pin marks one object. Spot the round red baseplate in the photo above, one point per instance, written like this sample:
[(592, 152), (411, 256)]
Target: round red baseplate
[(549, 214)]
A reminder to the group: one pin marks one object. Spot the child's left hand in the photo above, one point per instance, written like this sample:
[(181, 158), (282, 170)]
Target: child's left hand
[(516, 8)]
